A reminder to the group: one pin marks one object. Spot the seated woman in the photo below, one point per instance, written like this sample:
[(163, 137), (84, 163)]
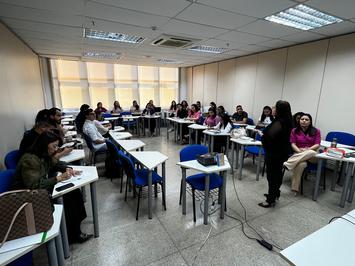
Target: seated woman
[(37, 169), (296, 119), (305, 140), (172, 109), (100, 108), (181, 112), (225, 125), (116, 108), (266, 117), (194, 114), (212, 119), (135, 108), (150, 110), (221, 110)]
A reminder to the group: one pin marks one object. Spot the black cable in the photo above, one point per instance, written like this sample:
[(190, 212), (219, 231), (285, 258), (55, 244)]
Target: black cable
[(340, 217), (245, 219)]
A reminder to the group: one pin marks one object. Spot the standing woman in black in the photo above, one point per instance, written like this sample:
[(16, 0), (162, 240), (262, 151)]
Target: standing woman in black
[(276, 143)]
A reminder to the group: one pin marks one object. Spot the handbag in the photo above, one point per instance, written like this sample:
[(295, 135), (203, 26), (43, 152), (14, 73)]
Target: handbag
[(24, 213), (237, 133)]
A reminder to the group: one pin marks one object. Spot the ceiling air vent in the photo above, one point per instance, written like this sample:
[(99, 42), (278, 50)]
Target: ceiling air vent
[(173, 41)]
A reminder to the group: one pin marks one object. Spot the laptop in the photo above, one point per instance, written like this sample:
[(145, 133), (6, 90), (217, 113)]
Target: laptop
[(157, 109)]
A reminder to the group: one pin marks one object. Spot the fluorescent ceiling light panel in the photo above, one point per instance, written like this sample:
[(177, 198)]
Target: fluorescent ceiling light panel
[(207, 49), (101, 55), (169, 61), (303, 17), (112, 36)]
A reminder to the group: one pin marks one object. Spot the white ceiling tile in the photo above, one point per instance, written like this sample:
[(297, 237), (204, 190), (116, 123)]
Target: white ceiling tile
[(95, 10), (268, 29), (43, 27), (242, 37), (275, 43), (47, 35), (304, 36), (66, 6), (236, 52), (40, 15), (254, 48), (192, 29), (336, 29), (340, 8), (221, 44), (214, 17), (255, 8), (168, 8)]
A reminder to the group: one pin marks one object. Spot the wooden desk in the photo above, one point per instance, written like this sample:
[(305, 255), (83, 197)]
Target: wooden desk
[(195, 165), (151, 160)]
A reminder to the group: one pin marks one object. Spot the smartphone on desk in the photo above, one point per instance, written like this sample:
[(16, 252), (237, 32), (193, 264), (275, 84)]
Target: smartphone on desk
[(64, 187)]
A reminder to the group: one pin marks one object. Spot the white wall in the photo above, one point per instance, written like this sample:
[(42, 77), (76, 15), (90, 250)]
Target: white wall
[(20, 90), (317, 78)]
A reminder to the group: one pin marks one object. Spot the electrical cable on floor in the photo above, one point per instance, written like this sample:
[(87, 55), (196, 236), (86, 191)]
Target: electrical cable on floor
[(204, 242), (340, 217), (261, 241)]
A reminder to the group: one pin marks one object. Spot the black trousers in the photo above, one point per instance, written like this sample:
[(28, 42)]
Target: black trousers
[(75, 213), (274, 165)]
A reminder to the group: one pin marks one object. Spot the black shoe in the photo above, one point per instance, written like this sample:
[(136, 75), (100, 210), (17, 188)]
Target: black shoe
[(266, 195), (267, 204), (84, 237)]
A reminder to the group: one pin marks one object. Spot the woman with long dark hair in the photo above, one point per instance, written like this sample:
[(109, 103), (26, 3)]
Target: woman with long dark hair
[(305, 140), (276, 143), (100, 108), (37, 169), (266, 117), (116, 108)]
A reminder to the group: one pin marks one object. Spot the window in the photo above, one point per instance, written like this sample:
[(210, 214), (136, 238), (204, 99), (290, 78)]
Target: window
[(78, 82)]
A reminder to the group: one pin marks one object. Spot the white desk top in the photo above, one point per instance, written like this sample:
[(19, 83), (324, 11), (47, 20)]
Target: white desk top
[(214, 132), (180, 120), (151, 116), (327, 144), (88, 175), (71, 133), (197, 126), (131, 116), (118, 129), (15, 248), (195, 165), (105, 122), (149, 159), (68, 127), (119, 135), (67, 120), (75, 155), (247, 141), (65, 123), (239, 124), (331, 245), (112, 118), (130, 145), (67, 116), (327, 157)]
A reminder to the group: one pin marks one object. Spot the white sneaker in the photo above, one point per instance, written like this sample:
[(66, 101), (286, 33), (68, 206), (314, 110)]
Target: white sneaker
[(171, 130)]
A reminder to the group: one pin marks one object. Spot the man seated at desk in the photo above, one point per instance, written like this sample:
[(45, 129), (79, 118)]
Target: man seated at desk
[(90, 129), (240, 116)]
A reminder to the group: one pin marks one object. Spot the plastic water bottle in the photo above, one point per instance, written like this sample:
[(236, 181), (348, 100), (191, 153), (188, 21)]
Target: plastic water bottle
[(334, 143)]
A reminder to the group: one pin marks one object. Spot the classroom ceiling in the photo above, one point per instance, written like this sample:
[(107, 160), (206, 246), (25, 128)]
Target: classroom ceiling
[(54, 28)]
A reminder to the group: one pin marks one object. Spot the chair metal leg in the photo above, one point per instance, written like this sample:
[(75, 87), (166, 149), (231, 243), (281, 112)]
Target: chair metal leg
[(180, 192), (139, 197), (193, 204), (163, 198), (121, 176), (125, 195), (155, 190)]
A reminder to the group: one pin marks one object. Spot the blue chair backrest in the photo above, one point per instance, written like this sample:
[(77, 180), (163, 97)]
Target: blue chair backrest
[(125, 113), (112, 149), (88, 141), (250, 121), (191, 152), (127, 165), (105, 115), (11, 159), (6, 178), (201, 120), (342, 137)]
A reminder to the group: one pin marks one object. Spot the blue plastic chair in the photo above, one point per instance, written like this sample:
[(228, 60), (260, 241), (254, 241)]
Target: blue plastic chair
[(113, 154), (197, 181), (94, 153), (139, 178), (106, 115), (250, 121), (254, 150), (128, 123), (11, 159), (342, 137), (6, 178)]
